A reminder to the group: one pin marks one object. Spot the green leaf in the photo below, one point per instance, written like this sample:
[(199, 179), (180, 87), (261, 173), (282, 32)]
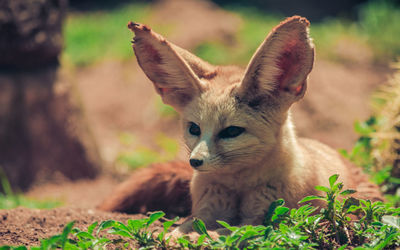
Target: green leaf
[(322, 188), (311, 197), (248, 234), (226, 225), (344, 153), (169, 223), (377, 223), (120, 232), (65, 233), (70, 246), (338, 186), (105, 224), (281, 210), (387, 241), (348, 192), (201, 239), (363, 128), (121, 226), (351, 208), (333, 179), (199, 226), (153, 217), (184, 241), (271, 210), (92, 227), (83, 235), (137, 224)]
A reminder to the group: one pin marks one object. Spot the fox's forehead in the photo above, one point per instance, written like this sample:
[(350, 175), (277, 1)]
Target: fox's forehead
[(225, 77), (215, 109)]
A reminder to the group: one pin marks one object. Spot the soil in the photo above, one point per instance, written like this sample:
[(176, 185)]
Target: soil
[(117, 97), (22, 226)]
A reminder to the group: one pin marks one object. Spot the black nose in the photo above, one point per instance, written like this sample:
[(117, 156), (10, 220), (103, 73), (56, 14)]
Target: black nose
[(196, 163)]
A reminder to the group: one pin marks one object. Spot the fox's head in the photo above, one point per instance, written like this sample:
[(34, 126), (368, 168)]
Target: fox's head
[(231, 117)]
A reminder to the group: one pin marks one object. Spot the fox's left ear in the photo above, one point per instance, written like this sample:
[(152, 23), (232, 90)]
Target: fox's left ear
[(281, 64)]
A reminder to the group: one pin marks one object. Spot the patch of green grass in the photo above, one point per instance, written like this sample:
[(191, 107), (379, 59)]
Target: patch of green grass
[(9, 199), (379, 22), (95, 35), (307, 227), (377, 29), (142, 156), (256, 26), (92, 36)]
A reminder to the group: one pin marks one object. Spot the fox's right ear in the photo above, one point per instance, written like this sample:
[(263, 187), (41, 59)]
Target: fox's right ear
[(175, 72)]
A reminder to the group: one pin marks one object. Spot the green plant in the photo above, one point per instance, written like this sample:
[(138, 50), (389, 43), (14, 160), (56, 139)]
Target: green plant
[(9, 199), (309, 227), (361, 153)]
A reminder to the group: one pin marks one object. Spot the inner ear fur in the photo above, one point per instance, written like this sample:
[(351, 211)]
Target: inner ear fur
[(281, 64), (175, 72)]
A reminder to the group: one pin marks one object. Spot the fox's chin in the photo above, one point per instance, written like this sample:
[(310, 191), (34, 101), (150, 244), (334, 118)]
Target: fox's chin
[(203, 170), (207, 169), (213, 168)]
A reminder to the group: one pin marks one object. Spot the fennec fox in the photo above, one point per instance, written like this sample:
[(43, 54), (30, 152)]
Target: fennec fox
[(238, 128)]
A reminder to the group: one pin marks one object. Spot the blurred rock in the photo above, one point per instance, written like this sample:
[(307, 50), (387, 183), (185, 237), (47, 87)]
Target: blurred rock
[(30, 32), (43, 133)]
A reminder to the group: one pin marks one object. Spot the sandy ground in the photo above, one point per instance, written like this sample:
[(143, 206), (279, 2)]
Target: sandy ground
[(117, 97)]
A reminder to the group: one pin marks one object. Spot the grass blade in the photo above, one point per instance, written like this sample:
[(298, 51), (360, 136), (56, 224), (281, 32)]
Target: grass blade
[(333, 179), (199, 226), (154, 217)]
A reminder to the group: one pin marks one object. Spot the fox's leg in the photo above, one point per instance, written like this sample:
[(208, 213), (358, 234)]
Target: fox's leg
[(211, 203), (254, 205)]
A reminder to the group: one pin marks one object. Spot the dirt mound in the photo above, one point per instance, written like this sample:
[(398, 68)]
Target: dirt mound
[(337, 95)]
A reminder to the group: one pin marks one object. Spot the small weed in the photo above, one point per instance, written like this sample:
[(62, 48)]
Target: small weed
[(9, 199)]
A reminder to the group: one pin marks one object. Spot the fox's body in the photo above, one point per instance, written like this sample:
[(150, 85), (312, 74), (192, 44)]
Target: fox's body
[(237, 124)]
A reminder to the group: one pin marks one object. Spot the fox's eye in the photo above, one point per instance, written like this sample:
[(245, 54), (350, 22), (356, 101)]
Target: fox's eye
[(230, 132), (194, 129)]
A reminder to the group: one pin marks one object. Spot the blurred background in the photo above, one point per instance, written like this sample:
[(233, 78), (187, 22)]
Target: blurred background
[(77, 114)]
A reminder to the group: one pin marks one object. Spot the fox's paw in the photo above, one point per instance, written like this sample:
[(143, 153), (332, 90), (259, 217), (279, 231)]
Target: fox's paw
[(175, 234), (192, 236)]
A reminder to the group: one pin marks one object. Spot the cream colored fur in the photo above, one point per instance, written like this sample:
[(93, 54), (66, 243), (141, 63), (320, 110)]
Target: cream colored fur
[(241, 176)]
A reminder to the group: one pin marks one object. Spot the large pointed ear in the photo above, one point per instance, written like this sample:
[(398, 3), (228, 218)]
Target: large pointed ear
[(176, 73), (281, 64)]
